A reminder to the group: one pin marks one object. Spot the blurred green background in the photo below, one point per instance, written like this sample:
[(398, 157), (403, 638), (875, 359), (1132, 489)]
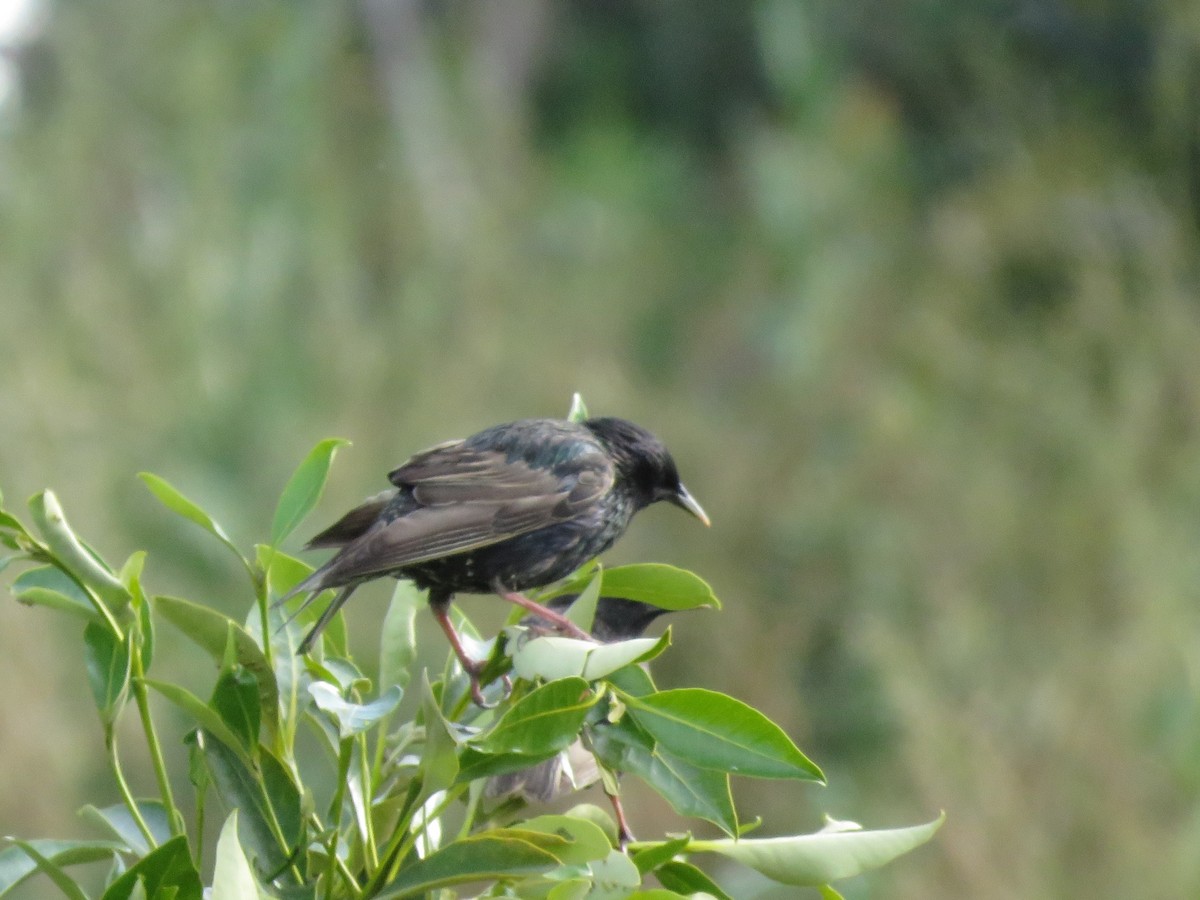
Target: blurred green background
[(909, 288)]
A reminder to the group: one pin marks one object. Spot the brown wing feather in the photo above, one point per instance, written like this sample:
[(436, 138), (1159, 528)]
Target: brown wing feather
[(468, 499)]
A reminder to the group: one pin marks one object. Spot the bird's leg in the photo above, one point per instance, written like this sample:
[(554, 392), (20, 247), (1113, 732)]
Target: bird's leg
[(558, 620), (473, 668), (624, 835)]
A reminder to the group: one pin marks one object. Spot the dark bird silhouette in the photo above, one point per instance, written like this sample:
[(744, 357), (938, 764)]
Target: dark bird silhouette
[(616, 619), (514, 507)]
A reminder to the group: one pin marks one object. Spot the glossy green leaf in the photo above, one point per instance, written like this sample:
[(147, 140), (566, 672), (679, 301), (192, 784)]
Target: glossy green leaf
[(552, 657), (52, 587), (473, 764), (713, 731), (548, 718), (582, 610), (303, 489), (175, 501), (664, 894), (118, 821), (16, 863), (235, 699), (204, 715), (73, 555), (659, 584), (654, 856), (828, 855), (210, 630), (170, 866), (688, 880), (398, 642), (233, 878), (615, 877), (570, 889), (691, 791), (587, 841), (353, 718), (501, 853), (268, 800), (108, 667)]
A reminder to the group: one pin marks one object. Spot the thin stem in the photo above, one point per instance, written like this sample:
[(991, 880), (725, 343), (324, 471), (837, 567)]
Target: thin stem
[(110, 744), (156, 755), (369, 849), (335, 809)]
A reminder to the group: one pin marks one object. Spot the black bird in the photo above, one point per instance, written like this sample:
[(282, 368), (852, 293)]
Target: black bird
[(616, 619), (514, 507)]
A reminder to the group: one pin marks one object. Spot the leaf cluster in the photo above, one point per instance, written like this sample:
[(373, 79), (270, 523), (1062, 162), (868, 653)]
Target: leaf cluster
[(412, 761)]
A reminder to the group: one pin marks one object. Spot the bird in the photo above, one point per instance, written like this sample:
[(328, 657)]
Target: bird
[(615, 619), (516, 506)]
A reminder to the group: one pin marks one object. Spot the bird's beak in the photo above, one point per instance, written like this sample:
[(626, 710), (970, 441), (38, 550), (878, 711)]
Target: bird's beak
[(684, 500)]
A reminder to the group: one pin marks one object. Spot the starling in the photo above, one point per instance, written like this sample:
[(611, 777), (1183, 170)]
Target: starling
[(514, 507), (616, 619)]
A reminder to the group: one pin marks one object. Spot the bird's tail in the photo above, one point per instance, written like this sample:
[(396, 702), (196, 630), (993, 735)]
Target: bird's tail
[(314, 585)]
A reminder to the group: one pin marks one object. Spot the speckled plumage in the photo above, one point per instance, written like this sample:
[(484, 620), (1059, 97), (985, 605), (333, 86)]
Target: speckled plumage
[(514, 507)]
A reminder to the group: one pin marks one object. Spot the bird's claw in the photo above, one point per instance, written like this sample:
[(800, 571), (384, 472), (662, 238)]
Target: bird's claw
[(473, 673)]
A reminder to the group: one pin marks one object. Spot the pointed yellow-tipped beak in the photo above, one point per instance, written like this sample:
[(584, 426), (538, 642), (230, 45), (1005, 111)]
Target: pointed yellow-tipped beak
[(684, 500)]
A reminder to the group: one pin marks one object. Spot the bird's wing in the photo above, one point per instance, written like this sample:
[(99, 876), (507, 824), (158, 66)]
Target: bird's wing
[(466, 499), (353, 524)]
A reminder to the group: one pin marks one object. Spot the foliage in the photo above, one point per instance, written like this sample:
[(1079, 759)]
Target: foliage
[(408, 814)]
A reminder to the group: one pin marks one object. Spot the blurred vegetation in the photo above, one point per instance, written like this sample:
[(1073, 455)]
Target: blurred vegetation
[(910, 290)]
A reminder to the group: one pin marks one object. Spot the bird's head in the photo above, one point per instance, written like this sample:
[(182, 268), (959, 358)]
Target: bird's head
[(644, 465)]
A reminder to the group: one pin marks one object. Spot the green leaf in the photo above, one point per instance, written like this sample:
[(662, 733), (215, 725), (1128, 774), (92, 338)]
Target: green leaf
[(398, 643), (578, 411), (173, 500), (654, 856), (472, 764), (571, 889), (713, 731), (74, 556), (269, 801), (353, 718), (169, 867), (690, 790), (588, 841), (52, 587), (303, 489), (232, 877), (210, 630), (119, 822), (828, 855), (235, 699), (614, 876), (659, 584), (108, 667), (687, 880), (661, 894), (582, 610), (633, 680), (204, 715), (485, 857), (554, 657), (17, 864), (546, 719), (52, 870)]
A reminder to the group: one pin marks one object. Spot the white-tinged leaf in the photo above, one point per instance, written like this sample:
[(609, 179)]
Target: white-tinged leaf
[(233, 878), (827, 855), (555, 657)]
